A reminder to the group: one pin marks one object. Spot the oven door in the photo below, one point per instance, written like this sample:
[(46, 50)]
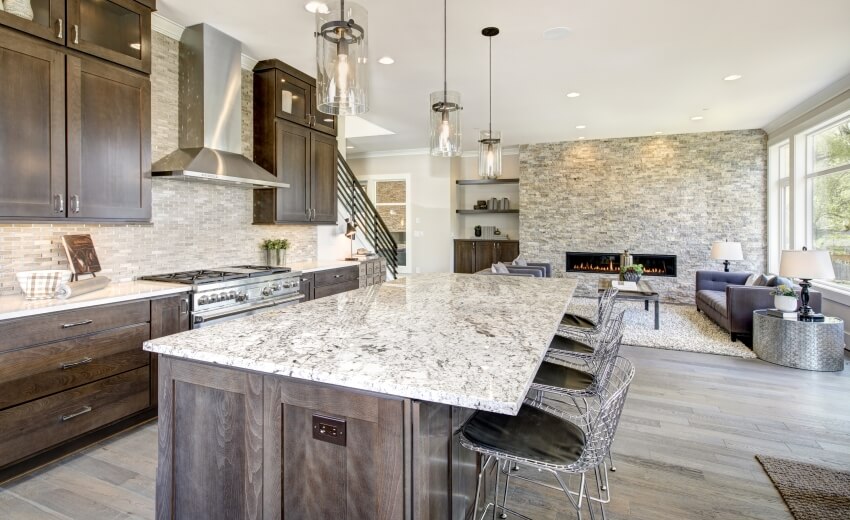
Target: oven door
[(205, 319)]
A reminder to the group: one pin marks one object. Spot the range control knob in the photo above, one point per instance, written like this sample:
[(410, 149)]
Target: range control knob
[(231, 295), (213, 298), (241, 297), (267, 291), (276, 287), (203, 300), (222, 297)]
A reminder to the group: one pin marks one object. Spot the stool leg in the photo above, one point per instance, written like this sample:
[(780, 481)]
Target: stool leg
[(507, 485), (611, 459), (496, 490), (478, 487)]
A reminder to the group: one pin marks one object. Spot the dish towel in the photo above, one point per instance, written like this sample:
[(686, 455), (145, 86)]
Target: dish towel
[(71, 289)]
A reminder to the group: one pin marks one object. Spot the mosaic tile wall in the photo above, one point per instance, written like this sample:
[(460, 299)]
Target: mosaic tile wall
[(657, 195), (194, 225)]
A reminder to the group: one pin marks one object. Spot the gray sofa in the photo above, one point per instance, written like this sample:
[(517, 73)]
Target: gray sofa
[(725, 299), (515, 270)]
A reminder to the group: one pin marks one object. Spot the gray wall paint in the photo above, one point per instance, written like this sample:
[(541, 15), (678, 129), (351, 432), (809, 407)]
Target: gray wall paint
[(666, 194)]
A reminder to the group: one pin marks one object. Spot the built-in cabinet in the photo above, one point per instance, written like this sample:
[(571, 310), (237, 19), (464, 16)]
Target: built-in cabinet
[(76, 130), (472, 256), (297, 143), (68, 379), (329, 282)]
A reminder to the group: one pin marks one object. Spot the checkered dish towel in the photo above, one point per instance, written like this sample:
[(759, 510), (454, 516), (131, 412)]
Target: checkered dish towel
[(42, 285)]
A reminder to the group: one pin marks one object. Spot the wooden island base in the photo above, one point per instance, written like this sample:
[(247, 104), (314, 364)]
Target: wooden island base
[(240, 444)]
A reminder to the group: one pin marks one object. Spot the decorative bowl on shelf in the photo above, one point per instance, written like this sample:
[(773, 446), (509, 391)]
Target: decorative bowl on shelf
[(42, 285)]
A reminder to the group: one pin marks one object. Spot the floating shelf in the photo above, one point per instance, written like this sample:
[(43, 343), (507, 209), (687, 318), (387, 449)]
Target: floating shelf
[(487, 181), (476, 211)]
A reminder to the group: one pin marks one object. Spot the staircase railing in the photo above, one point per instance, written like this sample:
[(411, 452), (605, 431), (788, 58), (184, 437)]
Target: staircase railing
[(369, 222)]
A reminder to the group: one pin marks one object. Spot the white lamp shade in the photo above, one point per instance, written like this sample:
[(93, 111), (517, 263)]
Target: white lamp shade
[(727, 251), (808, 265)]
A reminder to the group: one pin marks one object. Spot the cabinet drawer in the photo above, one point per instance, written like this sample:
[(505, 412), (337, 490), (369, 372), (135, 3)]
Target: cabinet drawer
[(33, 427), (329, 290), (24, 332), (378, 279), (370, 268), (335, 276), (38, 371)]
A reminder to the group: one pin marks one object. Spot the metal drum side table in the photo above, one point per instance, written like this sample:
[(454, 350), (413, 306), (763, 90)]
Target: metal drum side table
[(799, 344)]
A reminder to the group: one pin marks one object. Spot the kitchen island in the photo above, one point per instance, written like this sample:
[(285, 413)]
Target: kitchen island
[(344, 407)]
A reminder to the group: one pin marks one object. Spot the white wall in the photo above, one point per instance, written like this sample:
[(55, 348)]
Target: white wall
[(430, 191)]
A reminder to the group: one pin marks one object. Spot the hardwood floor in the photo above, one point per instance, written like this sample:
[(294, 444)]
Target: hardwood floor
[(685, 449)]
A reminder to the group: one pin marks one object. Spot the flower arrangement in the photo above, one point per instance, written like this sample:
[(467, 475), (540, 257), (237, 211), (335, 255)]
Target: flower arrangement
[(783, 290), (275, 249), (274, 244), (631, 273)]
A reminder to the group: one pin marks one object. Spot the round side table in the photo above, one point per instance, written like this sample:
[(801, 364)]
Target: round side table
[(799, 344)]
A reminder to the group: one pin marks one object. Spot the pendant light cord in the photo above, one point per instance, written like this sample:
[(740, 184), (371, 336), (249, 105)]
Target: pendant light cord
[(491, 87), (445, 51)]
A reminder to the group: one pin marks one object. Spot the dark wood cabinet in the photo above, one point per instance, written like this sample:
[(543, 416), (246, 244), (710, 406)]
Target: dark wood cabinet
[(48, 20), (109, 133), (169, 315), (115, 30), (297, 144), (472, 256), (307, 286), (32, 128)]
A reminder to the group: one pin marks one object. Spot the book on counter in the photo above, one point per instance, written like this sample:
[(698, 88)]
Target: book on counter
[(776, 313)]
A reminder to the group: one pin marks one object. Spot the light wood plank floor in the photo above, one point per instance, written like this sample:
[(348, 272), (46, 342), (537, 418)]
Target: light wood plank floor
[(685, 449)]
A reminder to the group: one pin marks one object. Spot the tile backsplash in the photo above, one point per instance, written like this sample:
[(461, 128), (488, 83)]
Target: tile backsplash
[(193, 225)]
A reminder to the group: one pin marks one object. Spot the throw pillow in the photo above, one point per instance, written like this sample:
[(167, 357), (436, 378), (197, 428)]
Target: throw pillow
[(500, 268), (752, 279), (761, 281), (520, 261), (781, 280)]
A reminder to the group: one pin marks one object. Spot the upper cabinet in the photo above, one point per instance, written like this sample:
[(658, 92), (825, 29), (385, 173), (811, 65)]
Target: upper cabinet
[(115, 30), (292, 95)]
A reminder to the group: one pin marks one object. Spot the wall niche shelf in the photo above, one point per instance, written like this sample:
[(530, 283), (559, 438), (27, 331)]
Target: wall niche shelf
[(486, 181), (477, 211)]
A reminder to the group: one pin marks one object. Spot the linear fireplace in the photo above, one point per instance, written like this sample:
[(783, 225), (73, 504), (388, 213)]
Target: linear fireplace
[(609, 263)]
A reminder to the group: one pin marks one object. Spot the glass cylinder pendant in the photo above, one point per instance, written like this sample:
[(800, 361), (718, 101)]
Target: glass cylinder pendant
[(445, 124), (342, 55), (490, 154)]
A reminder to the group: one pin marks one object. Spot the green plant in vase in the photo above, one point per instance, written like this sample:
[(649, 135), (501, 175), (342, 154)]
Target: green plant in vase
[(631, 273), (275, 249), (784, 298)]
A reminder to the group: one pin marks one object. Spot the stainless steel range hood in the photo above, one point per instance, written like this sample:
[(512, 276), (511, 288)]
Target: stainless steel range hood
[(210, 106)]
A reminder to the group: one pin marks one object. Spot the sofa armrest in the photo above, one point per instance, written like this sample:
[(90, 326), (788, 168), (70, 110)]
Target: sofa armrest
[(547, 268), (537, 272), (742, 300), (488, 272), (718, 280)]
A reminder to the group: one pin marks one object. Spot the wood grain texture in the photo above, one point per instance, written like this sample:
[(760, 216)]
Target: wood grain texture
[(169, 315), (330, 290), (38, 371), (44, 23), (100, 42), (335, 276), (323, 178)]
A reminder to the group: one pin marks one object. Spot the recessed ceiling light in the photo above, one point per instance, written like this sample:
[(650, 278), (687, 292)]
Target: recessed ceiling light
[(658, 133), (556, 33), (581, 127), (386, 60), (580, 138), (317, 7), (573, 94), (696, 118), (350, 147), (733, 77)]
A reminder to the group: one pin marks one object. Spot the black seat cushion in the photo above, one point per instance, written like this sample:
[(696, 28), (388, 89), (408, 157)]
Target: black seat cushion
[(532, 434), (574, 320), (570, 345), (552, 374)]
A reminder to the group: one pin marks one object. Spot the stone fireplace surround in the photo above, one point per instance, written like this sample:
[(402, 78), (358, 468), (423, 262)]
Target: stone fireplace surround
[(609, 263)]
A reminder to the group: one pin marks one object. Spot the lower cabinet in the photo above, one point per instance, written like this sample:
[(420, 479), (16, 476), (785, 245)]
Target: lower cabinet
[(68, 379), (472, 256), (329, 282)]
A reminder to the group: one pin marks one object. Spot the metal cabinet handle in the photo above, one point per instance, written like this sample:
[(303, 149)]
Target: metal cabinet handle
[(337, 276), (61, 33), (75, 203), (76, 34), (184, 306), (77, 324), (85, 410), (84, 361), (58, 204)]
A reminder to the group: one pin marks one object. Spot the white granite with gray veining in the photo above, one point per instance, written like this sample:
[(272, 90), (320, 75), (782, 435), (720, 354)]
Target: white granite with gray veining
[(464, 340)]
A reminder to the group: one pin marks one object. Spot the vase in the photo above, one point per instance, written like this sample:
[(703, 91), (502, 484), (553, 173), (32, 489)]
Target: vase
[(22, 8), (785, 303), (631, 277)]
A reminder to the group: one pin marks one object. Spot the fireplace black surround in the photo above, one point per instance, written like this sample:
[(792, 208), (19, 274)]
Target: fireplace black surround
[(609, 263)]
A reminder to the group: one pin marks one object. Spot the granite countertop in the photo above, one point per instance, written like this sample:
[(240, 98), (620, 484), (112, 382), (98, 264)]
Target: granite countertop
[(19, 307), (464, 340), (312, 267)]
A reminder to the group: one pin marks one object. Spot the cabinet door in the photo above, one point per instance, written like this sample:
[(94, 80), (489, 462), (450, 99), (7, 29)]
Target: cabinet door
[(322, 122), (292, 99), (115, 30), (323, 181), (48, 20), (168, 316), (508, 251), (484, 255), (307, 287), (109, 142), (464, 256), (32, 128), (292, 165)]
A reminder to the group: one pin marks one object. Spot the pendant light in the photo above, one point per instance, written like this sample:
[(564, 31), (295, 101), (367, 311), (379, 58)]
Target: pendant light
[(341, 60), (445, 108), (490, 144)]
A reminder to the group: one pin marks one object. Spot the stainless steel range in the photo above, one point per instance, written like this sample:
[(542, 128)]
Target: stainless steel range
[(233, 292)]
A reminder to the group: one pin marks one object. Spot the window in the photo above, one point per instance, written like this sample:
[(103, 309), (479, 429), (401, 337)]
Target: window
[(786, 214)]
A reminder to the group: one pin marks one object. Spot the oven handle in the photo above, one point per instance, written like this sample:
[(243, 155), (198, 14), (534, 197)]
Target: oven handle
[(218, 315)]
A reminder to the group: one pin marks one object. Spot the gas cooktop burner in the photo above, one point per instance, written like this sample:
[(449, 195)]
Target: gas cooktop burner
[(193, 277), (258, 270)]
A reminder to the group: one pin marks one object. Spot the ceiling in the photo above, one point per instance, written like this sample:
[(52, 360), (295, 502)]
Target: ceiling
[(641, 67)]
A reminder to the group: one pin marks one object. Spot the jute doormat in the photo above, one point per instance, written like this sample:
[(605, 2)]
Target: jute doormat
[(811, 492)]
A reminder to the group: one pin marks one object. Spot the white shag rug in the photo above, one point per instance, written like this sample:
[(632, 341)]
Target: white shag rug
[(682, 328)]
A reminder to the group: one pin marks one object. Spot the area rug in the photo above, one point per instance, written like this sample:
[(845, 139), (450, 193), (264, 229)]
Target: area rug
[(682, 328), (811, 492)]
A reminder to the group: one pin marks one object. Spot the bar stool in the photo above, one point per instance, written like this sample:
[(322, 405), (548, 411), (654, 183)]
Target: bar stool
[(575, 325), (569, 347), (546, 438)]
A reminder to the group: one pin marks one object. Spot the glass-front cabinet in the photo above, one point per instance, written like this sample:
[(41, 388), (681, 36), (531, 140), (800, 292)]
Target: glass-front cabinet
[(115, 30)]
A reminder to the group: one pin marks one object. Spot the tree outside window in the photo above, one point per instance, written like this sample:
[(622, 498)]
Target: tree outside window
[(831, 197)]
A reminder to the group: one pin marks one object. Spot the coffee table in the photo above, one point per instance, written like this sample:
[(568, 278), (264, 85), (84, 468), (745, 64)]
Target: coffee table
[(644, 292)]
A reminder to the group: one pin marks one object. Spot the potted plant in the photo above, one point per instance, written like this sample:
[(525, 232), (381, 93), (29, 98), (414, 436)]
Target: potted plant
[(275, 249), (784, 298), (631, 273)]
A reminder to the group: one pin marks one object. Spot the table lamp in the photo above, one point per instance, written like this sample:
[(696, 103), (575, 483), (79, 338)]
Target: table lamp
[(726, 251), (350, 232), (806, 265)]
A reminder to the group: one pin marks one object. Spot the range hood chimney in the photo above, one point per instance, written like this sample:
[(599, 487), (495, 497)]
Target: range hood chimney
[(210, 101)]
